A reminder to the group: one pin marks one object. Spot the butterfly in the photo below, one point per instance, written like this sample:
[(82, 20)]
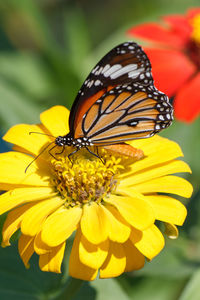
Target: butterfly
[(117, 102)]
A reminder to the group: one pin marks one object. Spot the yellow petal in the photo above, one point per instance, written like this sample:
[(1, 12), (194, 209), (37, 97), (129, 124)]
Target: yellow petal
[(13, 222), (36, 215), (149, 242), (25, 248), (76, 268), (12, 171), (166, 184), (175, 166), (20, 136), (20, 149), (170, 149), (60, 225), (136, 211), (167, 209), (92, 255), (171, 231), (39, 246), (94, 224), (52, 261), (153, 144), (20, 196), (55, 120), (119, 229), (115, 263), (134, 258)]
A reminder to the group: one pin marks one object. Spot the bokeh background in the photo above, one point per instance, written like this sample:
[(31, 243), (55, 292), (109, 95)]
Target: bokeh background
[(47, 48)]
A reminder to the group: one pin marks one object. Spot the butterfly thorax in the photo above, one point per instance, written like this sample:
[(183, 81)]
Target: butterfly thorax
[(68, 140)]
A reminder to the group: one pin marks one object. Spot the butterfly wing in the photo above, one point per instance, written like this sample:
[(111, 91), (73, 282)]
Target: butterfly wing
[(126, 63), (125, 112)]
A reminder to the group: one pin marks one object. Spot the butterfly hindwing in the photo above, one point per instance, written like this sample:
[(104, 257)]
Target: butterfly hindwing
[(124, 113)]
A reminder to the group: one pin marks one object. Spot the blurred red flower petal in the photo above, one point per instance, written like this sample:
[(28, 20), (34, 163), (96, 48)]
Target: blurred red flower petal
[(170, 68), (187, 101), (180, 26), (157, 33), (192, 12)]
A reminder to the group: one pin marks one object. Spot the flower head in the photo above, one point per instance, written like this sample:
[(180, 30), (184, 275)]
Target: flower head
[(175, 56), (111, 206)]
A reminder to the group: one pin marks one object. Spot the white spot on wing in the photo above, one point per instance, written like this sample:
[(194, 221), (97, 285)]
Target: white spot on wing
[(168, 116), (135, 74), (94, 70), (98, 71), (97, 82), (107, 67), (90, 83), (112, 69), (124, 70)]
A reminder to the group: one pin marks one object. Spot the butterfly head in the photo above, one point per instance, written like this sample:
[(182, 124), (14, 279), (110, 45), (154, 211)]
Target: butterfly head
[(63, 141)]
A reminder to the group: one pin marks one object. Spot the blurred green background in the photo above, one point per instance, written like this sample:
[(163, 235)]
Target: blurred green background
[(47, 48)]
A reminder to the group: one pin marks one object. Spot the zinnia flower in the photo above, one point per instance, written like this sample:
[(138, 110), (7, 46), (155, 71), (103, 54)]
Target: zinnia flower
[(175, 56), (112, 206)]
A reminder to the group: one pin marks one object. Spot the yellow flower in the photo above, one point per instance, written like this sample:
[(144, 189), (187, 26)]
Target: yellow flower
[(112, 206)]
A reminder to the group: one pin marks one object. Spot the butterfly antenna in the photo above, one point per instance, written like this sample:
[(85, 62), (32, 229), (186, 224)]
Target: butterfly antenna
[(41, 133), (38, 156)]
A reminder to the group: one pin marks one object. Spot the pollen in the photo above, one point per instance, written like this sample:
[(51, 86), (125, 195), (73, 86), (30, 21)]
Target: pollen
[(196, 29), (86, 177)]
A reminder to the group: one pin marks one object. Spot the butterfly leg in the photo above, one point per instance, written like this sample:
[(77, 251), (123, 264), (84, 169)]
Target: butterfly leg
[(51, 153), (100, 156), (97, 155), (77, 149), (63, 148)]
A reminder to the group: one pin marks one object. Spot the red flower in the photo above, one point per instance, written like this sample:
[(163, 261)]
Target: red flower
[(175, 58)]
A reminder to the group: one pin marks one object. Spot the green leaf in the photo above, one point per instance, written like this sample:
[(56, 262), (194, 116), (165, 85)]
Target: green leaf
[(16, 107), (30, 12), (26, 72), (77, 39), (16, 282), (172, 262), (192, 289), (2, 220), (101, 289), (156, 288)]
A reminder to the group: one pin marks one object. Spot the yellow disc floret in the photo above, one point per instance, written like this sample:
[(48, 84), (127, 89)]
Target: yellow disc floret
[(86, 178), (196, 29)]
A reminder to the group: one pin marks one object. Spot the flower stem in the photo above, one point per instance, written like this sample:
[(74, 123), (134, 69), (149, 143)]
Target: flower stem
[(70, 289)]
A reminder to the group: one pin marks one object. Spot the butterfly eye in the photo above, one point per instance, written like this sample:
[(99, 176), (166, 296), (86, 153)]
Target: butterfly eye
[(59, 141)]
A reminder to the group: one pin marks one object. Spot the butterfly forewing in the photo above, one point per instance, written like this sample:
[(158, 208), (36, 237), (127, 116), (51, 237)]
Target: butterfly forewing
[(126, 63)]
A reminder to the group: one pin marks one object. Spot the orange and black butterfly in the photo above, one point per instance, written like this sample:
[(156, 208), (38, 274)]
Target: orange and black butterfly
[(117, 102)]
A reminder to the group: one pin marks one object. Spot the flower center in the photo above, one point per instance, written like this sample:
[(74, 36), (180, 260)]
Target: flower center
[(196, 29), (85, 177), (193, 47)]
